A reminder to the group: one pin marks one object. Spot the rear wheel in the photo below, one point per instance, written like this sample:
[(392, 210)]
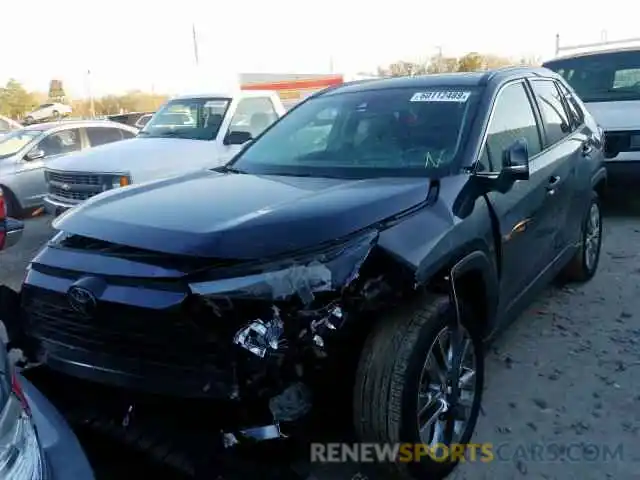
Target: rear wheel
[(420, 381), (28, 120), (56, 115), (584, 264)]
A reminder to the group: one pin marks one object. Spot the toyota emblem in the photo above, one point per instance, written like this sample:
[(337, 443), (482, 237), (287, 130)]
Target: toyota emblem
[(66, 187), (82, 300)]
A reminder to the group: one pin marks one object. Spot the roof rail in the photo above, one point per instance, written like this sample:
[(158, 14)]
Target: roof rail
[(603, 43), (512, 68)]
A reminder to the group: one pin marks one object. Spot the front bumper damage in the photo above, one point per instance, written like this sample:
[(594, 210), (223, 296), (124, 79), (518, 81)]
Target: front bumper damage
[(256, 337)]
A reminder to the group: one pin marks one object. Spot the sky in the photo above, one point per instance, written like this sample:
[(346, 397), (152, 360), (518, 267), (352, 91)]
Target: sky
[(148, 45)]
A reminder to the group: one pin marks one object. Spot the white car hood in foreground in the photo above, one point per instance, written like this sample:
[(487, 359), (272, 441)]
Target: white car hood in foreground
[(616, 115), (144, 158)]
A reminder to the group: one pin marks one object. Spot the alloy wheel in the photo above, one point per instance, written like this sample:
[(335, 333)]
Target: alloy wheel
[(447, 388), (592, 237)]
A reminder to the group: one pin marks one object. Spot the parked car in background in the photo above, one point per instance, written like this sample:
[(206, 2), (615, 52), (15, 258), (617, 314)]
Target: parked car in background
[(367, 262), (143, 120), (48, 111), (187, 133), (7, 125), (130, 119), (24, 154), (608, 82)]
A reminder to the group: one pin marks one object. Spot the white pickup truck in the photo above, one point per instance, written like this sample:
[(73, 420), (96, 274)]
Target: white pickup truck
[(187, 133), (606, 77)]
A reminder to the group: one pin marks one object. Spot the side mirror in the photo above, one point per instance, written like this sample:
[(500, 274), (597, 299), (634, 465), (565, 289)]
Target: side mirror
[(515, 161), (35, 154), (237, 137), (515, 166)]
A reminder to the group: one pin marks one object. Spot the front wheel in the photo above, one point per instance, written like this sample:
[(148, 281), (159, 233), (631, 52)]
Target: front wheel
[(584, 264), (419, 384)]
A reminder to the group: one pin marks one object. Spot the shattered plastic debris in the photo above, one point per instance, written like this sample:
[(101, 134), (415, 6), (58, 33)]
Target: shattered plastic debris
[(258, 336), (229, 440), (292, 404), (267, 432)]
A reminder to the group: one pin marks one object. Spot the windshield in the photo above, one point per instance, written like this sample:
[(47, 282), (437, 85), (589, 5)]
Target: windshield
[(390, 132), (604, 77), (13, 142), (193, 118)]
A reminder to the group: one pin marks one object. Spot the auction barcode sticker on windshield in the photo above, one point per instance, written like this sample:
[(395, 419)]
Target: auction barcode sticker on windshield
[(441, 96)]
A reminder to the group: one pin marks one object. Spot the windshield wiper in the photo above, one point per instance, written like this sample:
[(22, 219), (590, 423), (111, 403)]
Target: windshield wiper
[(170, 133), (225, 169)]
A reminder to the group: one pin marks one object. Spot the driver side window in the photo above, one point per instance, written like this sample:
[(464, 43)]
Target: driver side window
[(61, 143), (253, 115), (512, 119)]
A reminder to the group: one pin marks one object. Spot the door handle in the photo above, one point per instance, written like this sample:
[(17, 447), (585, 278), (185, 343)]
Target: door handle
[(551, 187)]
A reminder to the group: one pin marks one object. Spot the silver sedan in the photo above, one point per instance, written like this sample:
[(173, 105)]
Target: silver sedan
[(24, 154)]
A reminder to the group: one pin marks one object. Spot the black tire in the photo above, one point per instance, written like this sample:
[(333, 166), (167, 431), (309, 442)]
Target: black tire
[(388, 378), (56, 115), (580, 269), (14, 210), (28, 120)]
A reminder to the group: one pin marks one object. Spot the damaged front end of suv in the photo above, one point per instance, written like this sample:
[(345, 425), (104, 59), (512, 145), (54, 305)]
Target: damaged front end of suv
[(261, 336), (284, 315)]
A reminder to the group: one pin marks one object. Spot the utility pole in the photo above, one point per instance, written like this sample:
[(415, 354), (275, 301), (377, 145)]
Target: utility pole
[(92, 105), (195, 44)]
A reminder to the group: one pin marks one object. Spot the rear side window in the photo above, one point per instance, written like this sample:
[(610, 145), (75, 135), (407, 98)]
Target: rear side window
[(554, 116), (575, 110), (101, 135), (512, 119)]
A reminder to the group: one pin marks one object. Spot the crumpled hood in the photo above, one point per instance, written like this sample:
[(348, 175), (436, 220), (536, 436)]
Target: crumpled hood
[(616, 115), (238, 216), (140, 154)]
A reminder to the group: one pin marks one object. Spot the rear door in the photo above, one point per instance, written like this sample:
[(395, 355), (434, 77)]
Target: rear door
[(520, 210), (562, 153)]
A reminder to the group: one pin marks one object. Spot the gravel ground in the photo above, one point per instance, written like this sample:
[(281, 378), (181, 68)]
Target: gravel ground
[(562, 399)]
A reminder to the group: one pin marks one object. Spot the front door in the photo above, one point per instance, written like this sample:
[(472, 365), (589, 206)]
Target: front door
[(32, 183), (253, 115), (519, 211)]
